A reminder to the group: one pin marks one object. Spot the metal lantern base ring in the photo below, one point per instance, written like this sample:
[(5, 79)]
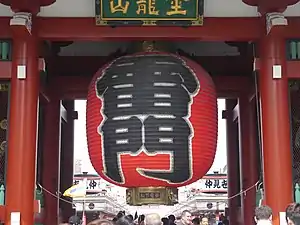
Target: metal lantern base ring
[(152, 195)]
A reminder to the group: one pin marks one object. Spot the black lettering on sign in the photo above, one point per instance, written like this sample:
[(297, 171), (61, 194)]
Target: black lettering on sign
[(217, 184), (92, 184), (146, 103), (208, 183), (224, 184)]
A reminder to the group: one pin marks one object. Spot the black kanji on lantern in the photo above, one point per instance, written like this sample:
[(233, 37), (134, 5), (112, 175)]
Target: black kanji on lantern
[(146, 102)]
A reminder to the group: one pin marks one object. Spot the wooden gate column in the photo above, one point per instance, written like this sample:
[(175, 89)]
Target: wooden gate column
[(249, 157), (51, 160), (22, 131), (275, 122), (232, 163)]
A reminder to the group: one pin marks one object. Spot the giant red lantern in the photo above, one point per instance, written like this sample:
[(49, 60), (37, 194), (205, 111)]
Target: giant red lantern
[(152, 121)]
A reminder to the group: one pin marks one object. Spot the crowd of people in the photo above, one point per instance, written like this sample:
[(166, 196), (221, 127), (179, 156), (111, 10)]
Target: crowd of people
[(263, 216)]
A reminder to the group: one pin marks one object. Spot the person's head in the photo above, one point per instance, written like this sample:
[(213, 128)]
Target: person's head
[(141, 218), (120, 214), (75, 220), (171, 218), (186, 217), (263, 213), (165, 221), (129, 217), (204, 221), (293, 214), (153, 219), (100, 222), (124, 221), (196, 221)]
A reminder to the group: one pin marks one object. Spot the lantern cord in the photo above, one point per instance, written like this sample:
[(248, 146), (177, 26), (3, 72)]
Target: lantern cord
[(54, 195), (244, 192), (257, 185)]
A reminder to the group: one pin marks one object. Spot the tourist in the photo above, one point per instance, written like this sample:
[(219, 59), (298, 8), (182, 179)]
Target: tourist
[(171, 219), (204, 221), (186, 218), (75, 220), (263, 215), (153, 219), (293, 214), (101, 222)]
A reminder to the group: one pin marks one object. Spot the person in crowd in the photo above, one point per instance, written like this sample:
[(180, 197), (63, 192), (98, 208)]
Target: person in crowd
[(186, 218), (101, 222), (75, 220), (141, 219), (153, 219), (120, 214), (124, 221), (165, 221), (130, 217), (204, 221), (263, 215), (196, 221), (292, 213), (114, 220), (171, 219)]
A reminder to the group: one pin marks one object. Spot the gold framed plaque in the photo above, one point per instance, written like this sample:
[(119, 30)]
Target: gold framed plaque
[(152, 195)]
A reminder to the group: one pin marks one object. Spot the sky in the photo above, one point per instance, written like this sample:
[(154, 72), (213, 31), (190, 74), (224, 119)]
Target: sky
[(81, 151)]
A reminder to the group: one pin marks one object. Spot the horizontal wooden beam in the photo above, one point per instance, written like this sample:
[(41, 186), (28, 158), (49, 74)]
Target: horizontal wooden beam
[(214, 29), (71, 29), (293, 68), (76, 87), (88, 65)]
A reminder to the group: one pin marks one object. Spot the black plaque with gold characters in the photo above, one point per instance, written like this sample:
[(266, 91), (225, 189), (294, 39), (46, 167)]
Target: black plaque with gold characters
[(152, 195), (149, 12)]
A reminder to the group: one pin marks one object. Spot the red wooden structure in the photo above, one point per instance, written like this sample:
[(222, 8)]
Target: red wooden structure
[(26, 90)]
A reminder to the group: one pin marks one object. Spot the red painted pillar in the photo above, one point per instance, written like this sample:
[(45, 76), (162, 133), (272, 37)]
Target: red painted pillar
[(232, 163), (22, 133), (276, 138), (51, 158), (249, 156)]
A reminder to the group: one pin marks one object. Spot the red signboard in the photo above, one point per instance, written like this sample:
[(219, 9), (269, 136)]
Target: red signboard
[(152, 121)]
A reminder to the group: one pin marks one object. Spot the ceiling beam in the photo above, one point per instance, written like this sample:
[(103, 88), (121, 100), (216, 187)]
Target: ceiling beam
[(75, 29), (71, 87), (214, 29), (88, 65)]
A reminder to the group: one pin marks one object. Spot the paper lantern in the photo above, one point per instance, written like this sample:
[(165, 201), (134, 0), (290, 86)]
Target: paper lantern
[(152, 121)]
